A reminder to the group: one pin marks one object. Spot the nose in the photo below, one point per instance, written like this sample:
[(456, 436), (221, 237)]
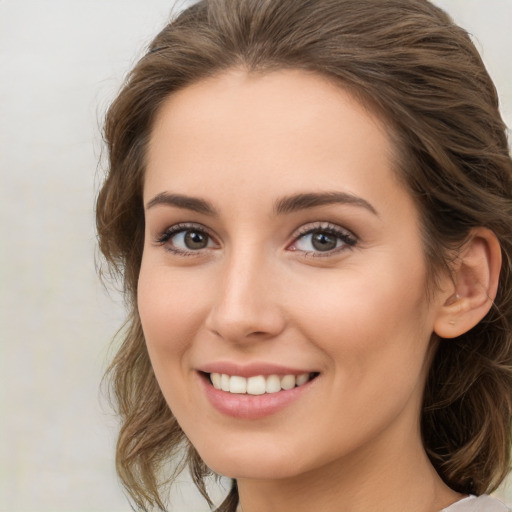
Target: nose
[(246, 305)]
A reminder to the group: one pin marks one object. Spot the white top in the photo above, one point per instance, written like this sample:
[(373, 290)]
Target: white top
[(483, 503)]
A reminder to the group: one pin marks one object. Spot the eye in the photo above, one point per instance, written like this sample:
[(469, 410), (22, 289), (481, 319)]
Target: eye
[(327, 239), (186, 239), (191, 239)]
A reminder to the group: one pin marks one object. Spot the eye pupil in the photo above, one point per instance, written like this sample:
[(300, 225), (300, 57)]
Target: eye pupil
[(323, 241), (196, 240)]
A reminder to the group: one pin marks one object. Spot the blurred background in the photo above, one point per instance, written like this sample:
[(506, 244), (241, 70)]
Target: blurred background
[(61, 63)]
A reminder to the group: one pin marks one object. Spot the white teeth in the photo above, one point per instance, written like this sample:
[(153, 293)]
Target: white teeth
[(273, 384), (257, 385), (288, 382), (224, 382), (237, 384), (215, 378), (302, 379)]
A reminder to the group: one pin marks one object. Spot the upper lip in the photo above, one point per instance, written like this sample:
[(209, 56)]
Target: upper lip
[(251, 369)]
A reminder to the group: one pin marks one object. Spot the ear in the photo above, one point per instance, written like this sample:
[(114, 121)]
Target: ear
[(474, 283)]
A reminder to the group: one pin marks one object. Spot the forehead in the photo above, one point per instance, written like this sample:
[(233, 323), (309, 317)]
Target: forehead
[(290, 128)]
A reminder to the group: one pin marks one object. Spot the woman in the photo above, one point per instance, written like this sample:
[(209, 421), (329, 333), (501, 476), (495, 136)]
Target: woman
[(309, 203)]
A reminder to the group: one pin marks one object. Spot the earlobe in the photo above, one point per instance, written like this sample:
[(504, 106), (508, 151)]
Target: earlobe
[(474, 285)]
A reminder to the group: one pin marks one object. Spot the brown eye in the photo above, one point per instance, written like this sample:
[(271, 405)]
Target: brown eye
[(195, 240), (323, 241), (183, 239)]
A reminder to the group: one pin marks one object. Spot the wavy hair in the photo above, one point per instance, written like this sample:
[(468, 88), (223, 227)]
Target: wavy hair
[(408, 62)]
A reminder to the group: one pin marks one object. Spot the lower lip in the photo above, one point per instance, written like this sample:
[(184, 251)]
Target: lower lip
[(251, 407)]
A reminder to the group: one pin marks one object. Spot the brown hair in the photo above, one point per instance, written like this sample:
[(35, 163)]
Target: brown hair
[(408, 61)]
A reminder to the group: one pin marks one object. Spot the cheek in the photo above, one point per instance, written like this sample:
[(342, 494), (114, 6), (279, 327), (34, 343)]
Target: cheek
[(376, 339), (368, 322), (169, 312)]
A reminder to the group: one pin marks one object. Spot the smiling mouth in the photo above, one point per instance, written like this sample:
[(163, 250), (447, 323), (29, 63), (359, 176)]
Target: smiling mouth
[(258, 384)]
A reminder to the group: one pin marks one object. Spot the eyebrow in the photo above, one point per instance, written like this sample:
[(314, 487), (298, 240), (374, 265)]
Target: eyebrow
[(285, 205), (311, 200), (181, 201)]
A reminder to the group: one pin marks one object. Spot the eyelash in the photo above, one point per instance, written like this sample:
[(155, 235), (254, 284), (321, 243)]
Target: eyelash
[(349, 239), (166, 236)]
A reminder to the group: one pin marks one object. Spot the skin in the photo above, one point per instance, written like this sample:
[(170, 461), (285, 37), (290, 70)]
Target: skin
[(259, 291)]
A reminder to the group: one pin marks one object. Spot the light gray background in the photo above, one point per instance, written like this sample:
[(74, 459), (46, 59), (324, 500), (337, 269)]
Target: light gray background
[(61, 62)]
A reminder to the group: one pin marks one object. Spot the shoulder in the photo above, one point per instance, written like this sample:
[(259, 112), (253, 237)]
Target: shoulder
[(478, 504)]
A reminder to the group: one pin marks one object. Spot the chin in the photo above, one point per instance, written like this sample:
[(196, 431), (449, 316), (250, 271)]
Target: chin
[(256, 463)]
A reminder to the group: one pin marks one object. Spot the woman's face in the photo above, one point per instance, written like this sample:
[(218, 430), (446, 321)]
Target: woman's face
[(282, 253)]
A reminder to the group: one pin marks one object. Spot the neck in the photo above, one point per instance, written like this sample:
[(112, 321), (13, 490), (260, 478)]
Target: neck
[(386, 477)]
